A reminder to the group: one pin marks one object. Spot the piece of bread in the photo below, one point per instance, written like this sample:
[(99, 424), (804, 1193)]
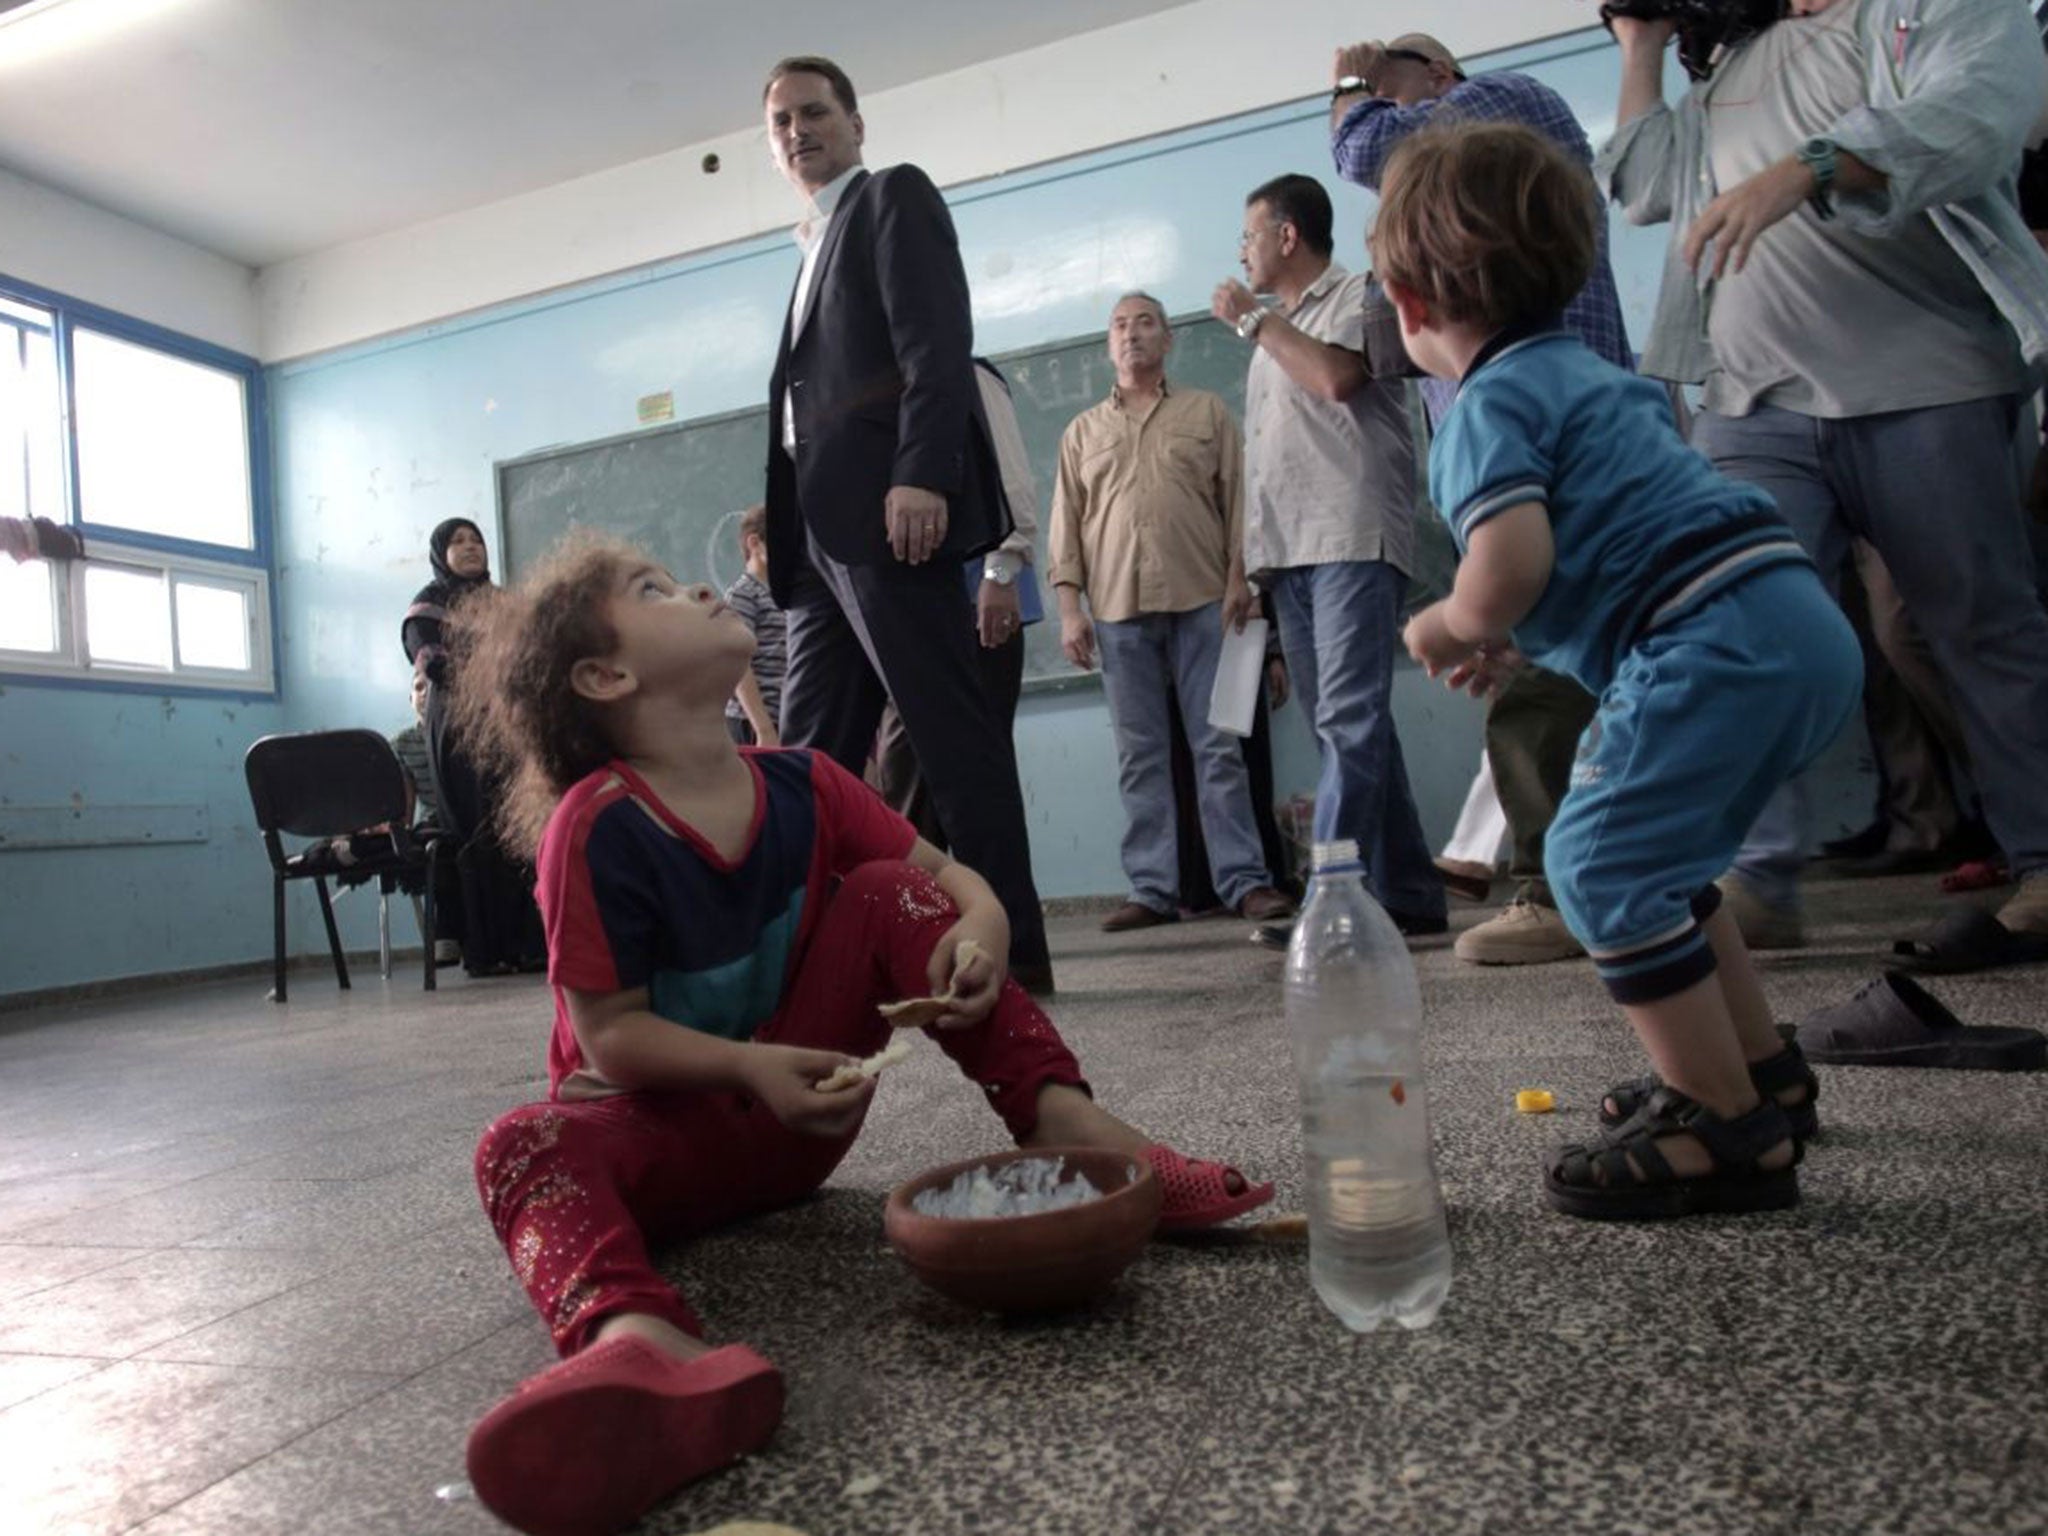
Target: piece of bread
[(917, 1012), (857, 1072)]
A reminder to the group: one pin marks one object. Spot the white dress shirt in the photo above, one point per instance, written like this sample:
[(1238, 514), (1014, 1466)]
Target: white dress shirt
[(809, 235)]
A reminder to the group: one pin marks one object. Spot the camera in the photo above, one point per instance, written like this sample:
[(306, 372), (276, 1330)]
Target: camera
[(1703, 25)]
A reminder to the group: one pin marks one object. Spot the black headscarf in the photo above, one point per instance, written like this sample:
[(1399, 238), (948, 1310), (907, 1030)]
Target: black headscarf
[(437, 554), (421, 631)]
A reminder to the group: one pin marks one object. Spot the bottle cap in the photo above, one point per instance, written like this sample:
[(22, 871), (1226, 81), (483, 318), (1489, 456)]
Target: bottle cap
[(1342, 851)]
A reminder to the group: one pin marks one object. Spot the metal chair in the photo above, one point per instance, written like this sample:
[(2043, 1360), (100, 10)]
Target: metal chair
[(331, 786)]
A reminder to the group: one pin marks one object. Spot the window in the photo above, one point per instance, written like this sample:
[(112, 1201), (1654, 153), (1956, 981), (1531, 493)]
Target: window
[(148, 448)]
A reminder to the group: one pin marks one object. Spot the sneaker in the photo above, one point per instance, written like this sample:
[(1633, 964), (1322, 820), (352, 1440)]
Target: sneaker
[(1523, 933), (1135, 914), (1762, 924), (2026, 911)]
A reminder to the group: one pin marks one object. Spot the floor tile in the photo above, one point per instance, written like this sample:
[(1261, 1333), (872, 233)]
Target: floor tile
[(115, 1447), (130, 1306)]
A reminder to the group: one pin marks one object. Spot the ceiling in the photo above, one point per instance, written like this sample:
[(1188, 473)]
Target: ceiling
[(264, 129)]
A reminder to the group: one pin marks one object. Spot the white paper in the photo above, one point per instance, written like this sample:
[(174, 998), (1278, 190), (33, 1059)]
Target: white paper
[(1240, 673)]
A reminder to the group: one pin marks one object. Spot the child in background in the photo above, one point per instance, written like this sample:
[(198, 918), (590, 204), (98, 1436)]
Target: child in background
[(754, 712), (415, 756), (722, 924), (1609, 550)]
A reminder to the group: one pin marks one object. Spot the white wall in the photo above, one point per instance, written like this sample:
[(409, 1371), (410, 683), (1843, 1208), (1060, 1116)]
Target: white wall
[(1198, 63), (84, 252)]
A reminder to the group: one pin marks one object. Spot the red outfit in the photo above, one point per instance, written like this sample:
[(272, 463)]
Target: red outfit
[(578, 1187)]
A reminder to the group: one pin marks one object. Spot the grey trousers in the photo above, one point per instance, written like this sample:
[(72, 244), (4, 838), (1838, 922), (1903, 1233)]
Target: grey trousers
[(1914, 730), (1936, 492)]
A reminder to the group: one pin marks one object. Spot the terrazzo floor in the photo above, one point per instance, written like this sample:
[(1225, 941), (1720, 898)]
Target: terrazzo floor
[(247, 1287)]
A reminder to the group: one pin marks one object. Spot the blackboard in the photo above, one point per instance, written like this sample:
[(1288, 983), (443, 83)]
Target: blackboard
[(677, 490)]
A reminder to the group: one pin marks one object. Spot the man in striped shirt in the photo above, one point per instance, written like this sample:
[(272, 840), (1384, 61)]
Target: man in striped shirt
[(1382, 93), (754, 714)]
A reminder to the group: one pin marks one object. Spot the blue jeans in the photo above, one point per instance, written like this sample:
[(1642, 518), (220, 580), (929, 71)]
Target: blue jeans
[(1141, 659), (1340, 627), (1934, 490)]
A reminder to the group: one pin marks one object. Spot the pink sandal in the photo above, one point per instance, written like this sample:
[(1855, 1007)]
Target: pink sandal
[(1976, 875), (589, 1445), (1197, 1193)]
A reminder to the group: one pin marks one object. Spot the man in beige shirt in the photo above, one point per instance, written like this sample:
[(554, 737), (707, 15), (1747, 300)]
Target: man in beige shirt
[(1329, 527), (1147, 517)]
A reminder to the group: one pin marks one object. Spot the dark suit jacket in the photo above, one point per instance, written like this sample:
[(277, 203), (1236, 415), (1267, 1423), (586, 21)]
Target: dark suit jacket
[(881, 380)]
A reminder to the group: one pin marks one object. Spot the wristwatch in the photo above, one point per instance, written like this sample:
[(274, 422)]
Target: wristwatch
[(1248, 324), (1349, 85), (998, 569), (1820, 157)]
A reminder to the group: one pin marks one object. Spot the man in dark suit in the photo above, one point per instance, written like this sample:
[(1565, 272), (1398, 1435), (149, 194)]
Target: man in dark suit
[(881, 481)]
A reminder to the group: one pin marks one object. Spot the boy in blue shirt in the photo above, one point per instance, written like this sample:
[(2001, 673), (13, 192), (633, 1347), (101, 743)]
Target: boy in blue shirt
[(1607, 549)]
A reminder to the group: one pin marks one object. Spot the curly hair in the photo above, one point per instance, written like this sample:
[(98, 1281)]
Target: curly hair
[(1491, 223), (515, 710)]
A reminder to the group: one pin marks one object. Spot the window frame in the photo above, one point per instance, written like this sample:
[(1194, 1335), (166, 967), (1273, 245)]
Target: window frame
[(68, 666)]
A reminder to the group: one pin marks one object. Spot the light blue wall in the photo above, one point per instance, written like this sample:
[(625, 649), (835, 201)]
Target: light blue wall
[(129, 767), (376, 444)]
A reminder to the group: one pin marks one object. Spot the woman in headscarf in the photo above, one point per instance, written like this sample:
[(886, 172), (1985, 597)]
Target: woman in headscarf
[(461, 564), (501, 927)]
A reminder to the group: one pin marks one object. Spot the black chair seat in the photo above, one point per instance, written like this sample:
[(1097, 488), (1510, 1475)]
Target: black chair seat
[(329, 786)]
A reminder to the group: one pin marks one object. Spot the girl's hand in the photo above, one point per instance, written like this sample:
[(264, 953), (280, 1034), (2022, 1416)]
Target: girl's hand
[(975, 985), (785, 1078), (1431, 642)]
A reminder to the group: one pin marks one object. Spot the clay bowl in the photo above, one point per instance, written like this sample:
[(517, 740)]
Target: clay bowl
[(1042, 1263)]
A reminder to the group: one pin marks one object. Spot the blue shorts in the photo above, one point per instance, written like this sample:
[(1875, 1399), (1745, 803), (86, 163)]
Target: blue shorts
[(1705, 718)]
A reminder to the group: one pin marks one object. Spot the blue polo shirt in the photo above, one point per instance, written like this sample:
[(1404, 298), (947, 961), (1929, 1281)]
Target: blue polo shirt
[(1645, 529)]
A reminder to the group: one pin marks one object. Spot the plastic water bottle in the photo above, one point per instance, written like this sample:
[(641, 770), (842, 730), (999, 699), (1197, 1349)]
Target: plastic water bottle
[(1378, 1247)]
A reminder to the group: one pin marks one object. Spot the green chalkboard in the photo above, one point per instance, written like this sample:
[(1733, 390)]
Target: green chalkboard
[(677, 490)]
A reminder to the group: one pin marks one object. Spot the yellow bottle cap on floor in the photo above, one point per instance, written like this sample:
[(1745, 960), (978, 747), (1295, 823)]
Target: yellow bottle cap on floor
[(1535, 1101)]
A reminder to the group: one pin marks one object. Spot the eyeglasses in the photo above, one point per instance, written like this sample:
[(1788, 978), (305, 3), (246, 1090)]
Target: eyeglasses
[(1245, 239), (1406, 53)]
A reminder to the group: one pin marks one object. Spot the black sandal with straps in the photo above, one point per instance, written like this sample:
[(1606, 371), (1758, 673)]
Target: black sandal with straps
[(1772, 1076), (1619, 1175)]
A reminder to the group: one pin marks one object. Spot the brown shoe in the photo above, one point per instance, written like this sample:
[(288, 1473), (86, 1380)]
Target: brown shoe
[(1263, 904), (1135, 914), (1464, 877)]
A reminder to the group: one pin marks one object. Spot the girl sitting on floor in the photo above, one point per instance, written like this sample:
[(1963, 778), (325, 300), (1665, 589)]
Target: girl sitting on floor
[(721, 925)]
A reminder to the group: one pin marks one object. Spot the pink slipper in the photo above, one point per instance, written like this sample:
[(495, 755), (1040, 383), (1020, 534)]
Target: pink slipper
[(589, 1445), (1976, 875), (1197, 1193)]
